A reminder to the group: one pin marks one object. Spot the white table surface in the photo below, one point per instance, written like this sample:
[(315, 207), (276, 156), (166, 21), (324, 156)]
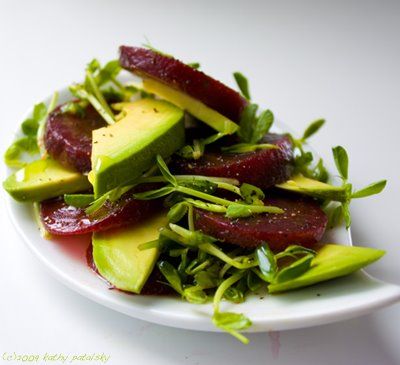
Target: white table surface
[(339, 60)]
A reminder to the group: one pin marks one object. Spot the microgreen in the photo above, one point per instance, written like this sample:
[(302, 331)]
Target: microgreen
[(177, 212), (203, 191), (196, 150), (171, 274), (33, 130), (243, 84), (295, 269), (195, 294), (237, 210), (194, 65), (248, 147), (341, 161), (230, 322), (313, 128), (253, 127), (294, 251), (303, 159), (266, 262), (252, 194), (13, 154), (100, 85), (149, 46), (371, 189), (342, 211)]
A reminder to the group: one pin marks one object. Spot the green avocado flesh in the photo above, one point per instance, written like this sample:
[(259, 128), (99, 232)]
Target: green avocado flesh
[(44, 179), (331, 261), (118, 258), (122, 152), (195, 107), (315, 188)]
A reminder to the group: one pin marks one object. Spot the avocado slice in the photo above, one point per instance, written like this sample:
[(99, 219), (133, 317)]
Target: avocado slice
[(331, 261), (42, 229), (44, 179), (193, 106), (314, 188), (118, 258), (125, 150)]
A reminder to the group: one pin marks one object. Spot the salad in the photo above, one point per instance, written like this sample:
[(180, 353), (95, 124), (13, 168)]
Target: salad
[(183, 185)]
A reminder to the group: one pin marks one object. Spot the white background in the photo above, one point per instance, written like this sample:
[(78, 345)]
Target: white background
[(305, 59)]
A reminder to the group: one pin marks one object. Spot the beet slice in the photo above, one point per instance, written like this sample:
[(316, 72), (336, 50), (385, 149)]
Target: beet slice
[(68, 137), (174, 73), (302, 223), (61, 219), (263, 168)]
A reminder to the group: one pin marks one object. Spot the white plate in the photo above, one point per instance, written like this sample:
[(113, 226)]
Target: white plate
[(332, 301)]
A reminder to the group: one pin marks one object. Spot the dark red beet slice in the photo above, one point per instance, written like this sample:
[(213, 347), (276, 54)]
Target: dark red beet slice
[(176, 74), (263, 168), (68, 137), (303, 223), (62, 219)]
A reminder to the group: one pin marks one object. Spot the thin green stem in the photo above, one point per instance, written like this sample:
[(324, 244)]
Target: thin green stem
[(204, 196), (219, 293), (190, 218), (98, 94)]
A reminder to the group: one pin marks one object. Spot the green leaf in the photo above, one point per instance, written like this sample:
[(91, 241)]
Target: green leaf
[(371, 189), (232, 323), (252, 194), (78, 200), (294, 251), (12, 156), (165, 171), (247, 122), (267, 262), (205, 186), (154, 194), (195, 294), (346, 214), (254, 283), (109, 72), (193, 238), (234, 295), (341, 161), (313, 128), (148, 45), (171, 274), (262, 125), (194, 65), (335, 216), (237, 210), (206, 280), (243, 84), (177, 212), (39, 112), (196, 150), (295, 269), (320, 172), (100, 105), (303, 161), (248, 147), (93, 65), (30, 126), (216, 208)]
